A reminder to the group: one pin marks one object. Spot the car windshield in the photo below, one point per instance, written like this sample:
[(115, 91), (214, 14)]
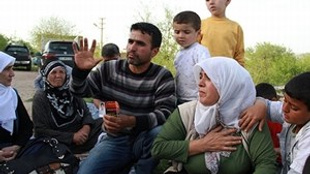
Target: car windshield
[(18, 49), (61, 48)]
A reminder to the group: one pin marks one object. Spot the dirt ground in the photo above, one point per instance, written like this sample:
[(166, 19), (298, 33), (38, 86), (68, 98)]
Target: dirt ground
[(23, 82)]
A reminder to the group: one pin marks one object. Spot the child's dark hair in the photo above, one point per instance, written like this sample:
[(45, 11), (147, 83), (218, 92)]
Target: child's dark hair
[(110, 50), (299, 88), (266, 91), (150, 29), (188, 17)]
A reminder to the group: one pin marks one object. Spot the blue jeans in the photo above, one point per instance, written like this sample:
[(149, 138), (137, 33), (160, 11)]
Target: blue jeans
[(118, 154)]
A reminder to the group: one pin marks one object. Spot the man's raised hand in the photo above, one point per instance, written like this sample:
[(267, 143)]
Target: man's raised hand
[(84, 57)]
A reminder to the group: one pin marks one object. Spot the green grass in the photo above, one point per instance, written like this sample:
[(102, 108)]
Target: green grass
[(88, 100)]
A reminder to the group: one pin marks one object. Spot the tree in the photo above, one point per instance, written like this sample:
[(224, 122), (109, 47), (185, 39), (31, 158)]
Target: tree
[(303, 63), (3, 41), (51, 28), (271, 63), (168, 47)]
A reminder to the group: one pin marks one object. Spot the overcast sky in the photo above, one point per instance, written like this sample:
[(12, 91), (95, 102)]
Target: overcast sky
[(285, 23)]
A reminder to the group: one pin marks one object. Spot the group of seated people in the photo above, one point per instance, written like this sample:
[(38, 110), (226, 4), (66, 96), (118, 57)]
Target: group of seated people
[(56, 111), (223, 131)]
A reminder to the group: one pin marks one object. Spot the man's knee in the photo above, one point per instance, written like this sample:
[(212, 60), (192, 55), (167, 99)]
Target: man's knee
[(154, 132)]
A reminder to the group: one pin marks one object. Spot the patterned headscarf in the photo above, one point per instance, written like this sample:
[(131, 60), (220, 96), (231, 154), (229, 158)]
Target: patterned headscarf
[(60, 98), (237, 92)]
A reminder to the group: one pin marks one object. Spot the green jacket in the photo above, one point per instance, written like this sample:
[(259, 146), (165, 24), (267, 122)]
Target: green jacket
[(170, 144)]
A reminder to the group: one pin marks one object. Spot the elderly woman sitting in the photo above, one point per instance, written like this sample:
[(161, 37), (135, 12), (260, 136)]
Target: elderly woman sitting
[(59, 114), (204, 137)]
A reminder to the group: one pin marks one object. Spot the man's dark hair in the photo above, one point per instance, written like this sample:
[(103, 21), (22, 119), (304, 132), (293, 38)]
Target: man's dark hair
[(266, 91), (188, 17), (150, 29), (299, 88), (110, 50)]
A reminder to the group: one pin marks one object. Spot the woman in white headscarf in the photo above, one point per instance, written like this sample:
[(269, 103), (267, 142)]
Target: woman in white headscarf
[(15, 124), (204, 137)]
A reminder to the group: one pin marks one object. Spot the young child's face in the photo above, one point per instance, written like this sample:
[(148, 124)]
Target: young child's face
[(184, 34), (217, 7), (295, 111)]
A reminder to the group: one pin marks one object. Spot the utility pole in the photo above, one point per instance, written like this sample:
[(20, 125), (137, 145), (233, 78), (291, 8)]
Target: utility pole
[(100, 26)]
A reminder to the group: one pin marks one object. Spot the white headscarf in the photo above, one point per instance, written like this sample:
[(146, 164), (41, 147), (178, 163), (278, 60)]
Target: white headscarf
[(5, 60), (8, 97), (237, 92)]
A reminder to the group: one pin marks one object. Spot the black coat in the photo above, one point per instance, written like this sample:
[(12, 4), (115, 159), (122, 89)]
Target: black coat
[(23, 128)]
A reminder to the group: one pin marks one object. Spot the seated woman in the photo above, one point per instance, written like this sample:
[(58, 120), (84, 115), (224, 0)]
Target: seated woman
[(203, 136), (15, 124), (59, 114), (39, 83)]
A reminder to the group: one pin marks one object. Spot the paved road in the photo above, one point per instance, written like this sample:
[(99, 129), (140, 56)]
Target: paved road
[(23, 82)]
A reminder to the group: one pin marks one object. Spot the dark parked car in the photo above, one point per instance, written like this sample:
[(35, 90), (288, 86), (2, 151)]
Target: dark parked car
[(21, 54), (37, 59), (61, 49)]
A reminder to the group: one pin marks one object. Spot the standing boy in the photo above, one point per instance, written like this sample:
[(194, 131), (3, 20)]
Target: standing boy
[(186, 26), (222, 36)]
